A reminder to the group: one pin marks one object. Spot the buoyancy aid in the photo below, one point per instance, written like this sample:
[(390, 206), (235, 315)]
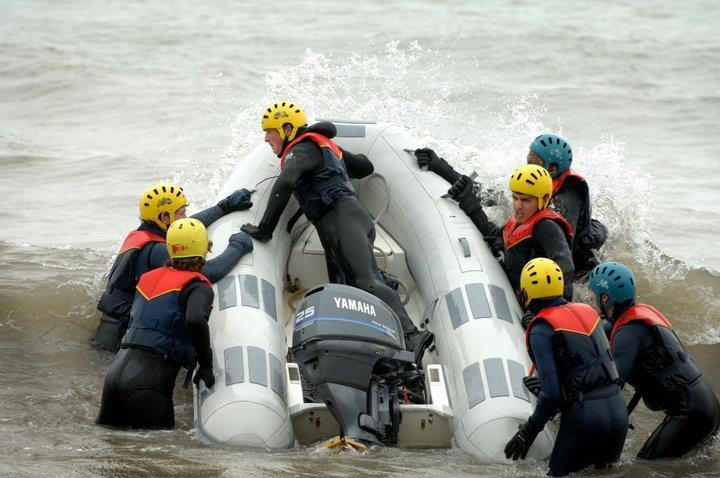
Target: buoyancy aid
[(124, 275), (580, 346), (664, 371), (158, 319), (572, 179), (318, 189), (519, 249)]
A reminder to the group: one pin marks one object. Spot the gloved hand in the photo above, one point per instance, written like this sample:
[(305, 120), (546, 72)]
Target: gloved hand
[(243, 240), (256, 233), (426, 157), (237, 201), (206, 375), (462, 189), (526, 319), (532, 384), (519, 445)]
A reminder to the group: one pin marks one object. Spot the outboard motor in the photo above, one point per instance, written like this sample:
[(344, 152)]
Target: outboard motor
[(349, 345)]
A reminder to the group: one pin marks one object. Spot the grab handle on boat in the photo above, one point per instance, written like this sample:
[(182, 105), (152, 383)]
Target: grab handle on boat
[(465, 246)]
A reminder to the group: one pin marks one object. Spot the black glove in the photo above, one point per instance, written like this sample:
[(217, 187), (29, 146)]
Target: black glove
[(206, 375), (462, 189), (532, 384), (256, 233), (519, 445), (526, 319), (426, 157), (243, 240), (237, 201)]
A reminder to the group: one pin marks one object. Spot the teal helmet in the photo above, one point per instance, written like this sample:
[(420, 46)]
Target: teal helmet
[(552, 149), (613, 279)]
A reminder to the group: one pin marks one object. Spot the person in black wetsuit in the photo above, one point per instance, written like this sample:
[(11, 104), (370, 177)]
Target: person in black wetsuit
[(577, 377), (318, 173), (168, 331), (570, 195), (534, 230), (650, 357), (144, 250)]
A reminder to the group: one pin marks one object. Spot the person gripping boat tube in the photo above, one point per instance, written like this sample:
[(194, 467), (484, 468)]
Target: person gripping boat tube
[(168, 331), (534, 229), (144, 249), (570, 194), (577, 377)]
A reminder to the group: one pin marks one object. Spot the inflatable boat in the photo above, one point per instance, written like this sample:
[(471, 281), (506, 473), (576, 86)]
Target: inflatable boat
[(277, 325)]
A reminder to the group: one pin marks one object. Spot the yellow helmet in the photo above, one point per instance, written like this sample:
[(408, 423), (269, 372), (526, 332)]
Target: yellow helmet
[(534, 181), (160, 198), (187, 238), (541, 278), (281, 113)]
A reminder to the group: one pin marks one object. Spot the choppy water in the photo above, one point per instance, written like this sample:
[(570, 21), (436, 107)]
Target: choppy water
[(99, 99)]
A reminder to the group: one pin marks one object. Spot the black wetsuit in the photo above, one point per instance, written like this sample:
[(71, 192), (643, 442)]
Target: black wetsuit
[(139, 386), (592, 429), (548, 240), (121, 283), (572, 201), (345, 228), (691, 408)]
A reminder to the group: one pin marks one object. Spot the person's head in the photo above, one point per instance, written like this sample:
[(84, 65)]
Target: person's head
[(541, 278), (610, 283), (531, 188), (551, 152), (187, 244), (281, 122), (163, 204)]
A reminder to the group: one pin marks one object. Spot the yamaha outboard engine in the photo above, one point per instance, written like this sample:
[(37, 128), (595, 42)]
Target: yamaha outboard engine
[(349, 345)]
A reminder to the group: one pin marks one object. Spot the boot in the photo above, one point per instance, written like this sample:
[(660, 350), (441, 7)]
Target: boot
[(417, 341)]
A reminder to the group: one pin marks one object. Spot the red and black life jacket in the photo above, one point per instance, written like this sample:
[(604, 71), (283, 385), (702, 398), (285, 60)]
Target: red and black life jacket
[(158, 319), (318, 189), (124, 275), (663, 371), (519, 248), (580, 347)]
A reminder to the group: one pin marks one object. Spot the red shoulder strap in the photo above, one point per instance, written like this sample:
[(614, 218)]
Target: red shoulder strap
[(138, 239), (644, 313), (166, 279), (320, 140), (560, 180), (571, 317)]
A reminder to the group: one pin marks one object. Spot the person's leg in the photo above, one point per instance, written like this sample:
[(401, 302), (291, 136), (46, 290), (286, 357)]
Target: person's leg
[(591, 433), (112, 406), (678, 434), (352, 231), (147, 382)]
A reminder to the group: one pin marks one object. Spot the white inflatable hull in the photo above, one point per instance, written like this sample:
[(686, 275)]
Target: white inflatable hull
[(451, 279)]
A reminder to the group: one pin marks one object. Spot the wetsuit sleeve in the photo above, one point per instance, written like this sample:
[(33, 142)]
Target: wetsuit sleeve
[(197, 299), (626, 347), (209, 215), (303, 157), (358, 165), (569, 204), (549, 399), (218, 267), (158, 255), (445, 170), (550, 242), (490, 231)]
